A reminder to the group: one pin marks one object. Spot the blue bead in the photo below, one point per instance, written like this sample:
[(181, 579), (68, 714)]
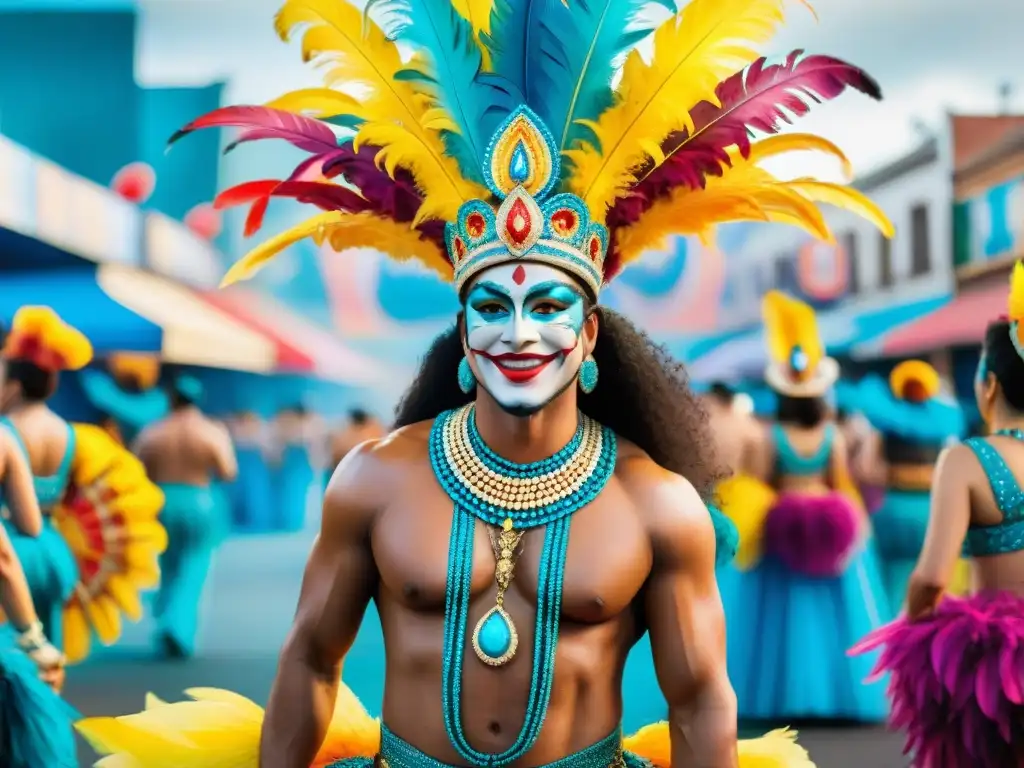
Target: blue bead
[(519, 165), (495, 636)]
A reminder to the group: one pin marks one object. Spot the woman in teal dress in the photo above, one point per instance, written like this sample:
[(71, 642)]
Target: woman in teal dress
[(915, 425), (48, 443), (252, 494), (295, 474), (815, 588)]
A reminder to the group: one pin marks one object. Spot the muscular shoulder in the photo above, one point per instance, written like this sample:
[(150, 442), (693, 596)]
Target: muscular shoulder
[(373, 470), (673, 513)]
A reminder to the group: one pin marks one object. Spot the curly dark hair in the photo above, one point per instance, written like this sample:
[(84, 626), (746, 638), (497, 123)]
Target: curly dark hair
[(643, 396), (1002, 360)]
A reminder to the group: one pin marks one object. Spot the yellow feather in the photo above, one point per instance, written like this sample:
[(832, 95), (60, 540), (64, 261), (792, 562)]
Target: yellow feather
[(478, 14), (258, 257), (400, 241), (77, 635), (796, 142), (396, 116), (317, 102), (847, 198), (918, 372), (693, 51), (104, 618), (1015, 304), (790, 323)]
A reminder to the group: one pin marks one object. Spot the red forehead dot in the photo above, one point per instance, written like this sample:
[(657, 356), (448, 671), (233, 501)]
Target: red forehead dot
[(519, 275)]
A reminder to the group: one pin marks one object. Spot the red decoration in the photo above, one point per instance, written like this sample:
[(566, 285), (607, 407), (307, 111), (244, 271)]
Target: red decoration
[(564, 222), (519, 275), (204, 220), (595, 248), (135, 182), (517, 222), (475, 225), (460, 249)]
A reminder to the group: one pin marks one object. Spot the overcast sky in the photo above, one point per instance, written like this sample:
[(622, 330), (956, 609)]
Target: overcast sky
[(929, 55)]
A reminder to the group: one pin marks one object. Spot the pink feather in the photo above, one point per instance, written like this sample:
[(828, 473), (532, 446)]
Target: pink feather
[(258, 123), (764, 97)]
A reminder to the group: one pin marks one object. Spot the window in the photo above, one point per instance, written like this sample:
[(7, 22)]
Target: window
[(920, 245), (886, 277), (849, 242), (962, 233)]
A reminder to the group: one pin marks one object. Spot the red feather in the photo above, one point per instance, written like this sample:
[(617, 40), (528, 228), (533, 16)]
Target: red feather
[(759, 98), (258, 123)]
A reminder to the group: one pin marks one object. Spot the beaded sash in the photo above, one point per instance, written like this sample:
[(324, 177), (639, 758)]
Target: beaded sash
[(484, 486)]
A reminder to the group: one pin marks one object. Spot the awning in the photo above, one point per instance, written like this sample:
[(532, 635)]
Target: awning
[(194, 333), (329, 358), (961, 322), (75, 295)]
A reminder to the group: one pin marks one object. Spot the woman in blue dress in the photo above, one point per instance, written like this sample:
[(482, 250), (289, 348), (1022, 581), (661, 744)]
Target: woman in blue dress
[(251, 494), (812, 586), (914, 425), (295, 474)]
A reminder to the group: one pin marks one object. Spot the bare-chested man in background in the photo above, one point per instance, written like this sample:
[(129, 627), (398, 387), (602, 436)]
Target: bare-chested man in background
[(185, 454), (738, 436)]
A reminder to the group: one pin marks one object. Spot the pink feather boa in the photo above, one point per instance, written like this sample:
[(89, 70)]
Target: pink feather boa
[(812, 534), (957, 681)]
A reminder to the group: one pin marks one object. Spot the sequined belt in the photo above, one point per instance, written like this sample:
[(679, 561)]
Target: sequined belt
[(398, 753)]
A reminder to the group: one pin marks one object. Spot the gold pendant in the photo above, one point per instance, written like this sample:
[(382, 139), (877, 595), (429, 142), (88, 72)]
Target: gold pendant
[(495, 638)]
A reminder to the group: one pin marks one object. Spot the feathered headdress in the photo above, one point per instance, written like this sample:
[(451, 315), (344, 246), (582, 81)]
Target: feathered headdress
[(797, 364), (142, 369), (503, 137), (39, 336), (909, 405), (1015, 308)]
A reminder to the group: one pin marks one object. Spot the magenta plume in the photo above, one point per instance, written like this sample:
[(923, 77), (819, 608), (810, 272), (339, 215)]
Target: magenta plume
[(258, 123), (763, 97), (957, 681)]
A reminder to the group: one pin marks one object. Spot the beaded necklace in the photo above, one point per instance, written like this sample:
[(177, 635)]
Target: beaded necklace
[(514, 497), (1016, 433)]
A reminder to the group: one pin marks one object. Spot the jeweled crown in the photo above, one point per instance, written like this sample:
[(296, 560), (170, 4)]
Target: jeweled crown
[(529, 223)]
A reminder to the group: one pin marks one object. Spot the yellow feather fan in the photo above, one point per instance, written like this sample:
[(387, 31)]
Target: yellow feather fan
[(790, 323), (693, 52), (109, 519), (396, 117), (746, 192), (914, 381), (39, 336), (220, 729), (746, 501), (343, 231)]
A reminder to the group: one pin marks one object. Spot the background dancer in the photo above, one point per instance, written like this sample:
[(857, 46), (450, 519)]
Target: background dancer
[(914, 425), (252, 493), (957, 664), (295, 472), (185, 454), (816, 560)]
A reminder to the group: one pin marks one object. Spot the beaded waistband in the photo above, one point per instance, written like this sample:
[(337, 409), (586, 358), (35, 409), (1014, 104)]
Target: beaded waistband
[(607, 753)]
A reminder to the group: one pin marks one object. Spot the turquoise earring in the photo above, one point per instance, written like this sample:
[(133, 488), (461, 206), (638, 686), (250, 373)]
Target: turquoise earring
[(466, 378), (588, 375)]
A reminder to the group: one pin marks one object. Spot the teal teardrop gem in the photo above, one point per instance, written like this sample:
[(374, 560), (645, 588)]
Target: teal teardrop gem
[(519, 165), (495, 638)]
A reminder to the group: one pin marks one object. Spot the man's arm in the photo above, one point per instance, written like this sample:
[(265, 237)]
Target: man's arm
[(340, 580), (687, 626), (225, 460)]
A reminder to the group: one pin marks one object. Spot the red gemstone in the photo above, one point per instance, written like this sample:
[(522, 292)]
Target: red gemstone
[(563, 221), (460, 248), (519, 275), (595, 248), (517, 222), (475, 224)]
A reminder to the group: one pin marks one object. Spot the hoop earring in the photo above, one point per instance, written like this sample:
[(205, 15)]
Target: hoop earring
[(467, 381), (588, 375)]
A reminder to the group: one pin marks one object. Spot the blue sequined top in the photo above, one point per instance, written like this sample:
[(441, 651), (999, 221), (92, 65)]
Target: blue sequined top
[(789, 462), (1008, 535), (49, 489)]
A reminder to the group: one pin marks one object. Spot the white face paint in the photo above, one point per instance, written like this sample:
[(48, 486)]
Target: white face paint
[(523, 326)]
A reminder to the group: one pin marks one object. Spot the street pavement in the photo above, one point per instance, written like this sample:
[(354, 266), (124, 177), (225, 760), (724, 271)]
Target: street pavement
[(250, 600)]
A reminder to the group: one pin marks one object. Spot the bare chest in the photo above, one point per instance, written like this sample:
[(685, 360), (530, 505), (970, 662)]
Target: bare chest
[(607, 561)]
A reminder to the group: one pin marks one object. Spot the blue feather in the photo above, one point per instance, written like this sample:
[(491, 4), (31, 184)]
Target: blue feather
[(528, 42), (601, 31), (476, 101)]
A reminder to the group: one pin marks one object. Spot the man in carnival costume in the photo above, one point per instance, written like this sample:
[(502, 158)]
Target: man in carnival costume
[(506, 162)]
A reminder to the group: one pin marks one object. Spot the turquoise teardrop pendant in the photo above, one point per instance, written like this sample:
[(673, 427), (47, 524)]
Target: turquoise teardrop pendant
[(495, 639)]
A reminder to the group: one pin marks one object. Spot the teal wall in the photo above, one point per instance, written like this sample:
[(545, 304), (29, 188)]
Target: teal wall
[(67, 89)]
